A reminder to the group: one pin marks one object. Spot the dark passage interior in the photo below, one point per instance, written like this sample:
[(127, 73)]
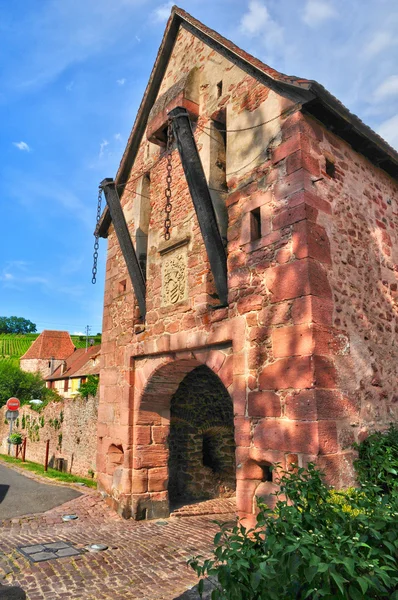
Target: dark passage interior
[(201, 440)]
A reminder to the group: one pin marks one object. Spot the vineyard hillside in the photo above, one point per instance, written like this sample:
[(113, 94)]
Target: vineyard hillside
[(13, 346)]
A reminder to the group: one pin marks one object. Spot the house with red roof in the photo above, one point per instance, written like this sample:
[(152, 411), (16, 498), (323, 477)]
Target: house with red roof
[(47, 352), (67, 378)]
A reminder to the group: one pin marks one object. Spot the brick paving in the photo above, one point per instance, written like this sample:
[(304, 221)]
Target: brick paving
[(145, 560)]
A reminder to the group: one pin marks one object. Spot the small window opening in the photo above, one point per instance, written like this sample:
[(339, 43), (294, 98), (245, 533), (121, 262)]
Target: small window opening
[(219, 89), (122, 286), (267, 473), (255, 224), (330, 168), (49, 364)]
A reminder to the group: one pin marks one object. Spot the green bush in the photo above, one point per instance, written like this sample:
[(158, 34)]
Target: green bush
[(90, 387), (15, 438), (310, 546), (377, 461)]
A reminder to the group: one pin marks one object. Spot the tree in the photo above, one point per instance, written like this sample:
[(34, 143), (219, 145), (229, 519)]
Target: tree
[(22, 385), (16, 325)]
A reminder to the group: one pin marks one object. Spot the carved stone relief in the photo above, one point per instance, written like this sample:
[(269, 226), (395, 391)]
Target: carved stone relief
[(174, 277)]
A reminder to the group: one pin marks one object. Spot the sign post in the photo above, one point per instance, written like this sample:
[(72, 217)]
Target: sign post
[(12, 414)]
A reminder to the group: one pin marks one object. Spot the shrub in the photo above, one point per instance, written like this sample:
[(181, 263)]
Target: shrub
[(310, 546), (90, 387), (377, 461), (15, 438)]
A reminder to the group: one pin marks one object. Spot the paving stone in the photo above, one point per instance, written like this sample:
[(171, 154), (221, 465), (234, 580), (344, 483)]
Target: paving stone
[(57, 545), (67, 552), (33, 549), (39, 556), (143, 561)]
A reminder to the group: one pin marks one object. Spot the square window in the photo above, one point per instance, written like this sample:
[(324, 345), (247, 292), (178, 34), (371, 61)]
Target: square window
[(122, 286)]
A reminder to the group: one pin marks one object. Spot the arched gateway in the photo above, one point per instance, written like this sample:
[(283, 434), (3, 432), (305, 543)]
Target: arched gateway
[(269, 278), (186, 413)]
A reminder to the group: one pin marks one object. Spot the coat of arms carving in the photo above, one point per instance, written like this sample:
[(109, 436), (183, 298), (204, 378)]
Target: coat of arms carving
[(174, 278)]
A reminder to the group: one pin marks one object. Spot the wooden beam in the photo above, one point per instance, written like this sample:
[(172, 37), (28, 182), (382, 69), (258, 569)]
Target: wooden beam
[(125, 242), (201, 198)]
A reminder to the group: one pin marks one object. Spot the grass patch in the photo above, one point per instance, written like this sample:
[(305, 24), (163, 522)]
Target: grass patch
[(50, 473)]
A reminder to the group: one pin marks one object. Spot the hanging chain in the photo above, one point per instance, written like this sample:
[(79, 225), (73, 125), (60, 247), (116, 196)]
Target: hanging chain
[(167, 192), (96, 234)]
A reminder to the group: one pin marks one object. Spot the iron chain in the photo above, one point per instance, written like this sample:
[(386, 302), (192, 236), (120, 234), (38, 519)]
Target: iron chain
[(96, 234), (167, 192)]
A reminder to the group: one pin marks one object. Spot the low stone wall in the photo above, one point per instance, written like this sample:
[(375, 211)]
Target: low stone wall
[(71, 427)]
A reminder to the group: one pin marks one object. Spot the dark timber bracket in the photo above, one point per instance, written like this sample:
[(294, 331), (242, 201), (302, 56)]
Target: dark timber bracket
[(201, 198), (125, 242)]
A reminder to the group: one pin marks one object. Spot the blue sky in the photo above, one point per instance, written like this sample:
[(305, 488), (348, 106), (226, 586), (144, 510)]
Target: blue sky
[(72, 75)]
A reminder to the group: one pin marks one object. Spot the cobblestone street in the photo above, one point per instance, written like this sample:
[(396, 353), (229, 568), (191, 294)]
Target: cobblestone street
[(145, 559)]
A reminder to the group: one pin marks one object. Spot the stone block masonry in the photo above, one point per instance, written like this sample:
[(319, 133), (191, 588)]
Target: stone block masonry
[(305, 348)]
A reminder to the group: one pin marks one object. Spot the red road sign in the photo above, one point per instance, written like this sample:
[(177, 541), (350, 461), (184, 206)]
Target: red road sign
[(13, 404)]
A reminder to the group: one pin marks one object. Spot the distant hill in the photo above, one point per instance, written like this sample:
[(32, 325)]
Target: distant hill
[(13, 346)]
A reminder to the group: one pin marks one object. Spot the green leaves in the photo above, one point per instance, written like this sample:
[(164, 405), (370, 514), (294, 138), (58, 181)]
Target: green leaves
[(317, 544), (90, 387)]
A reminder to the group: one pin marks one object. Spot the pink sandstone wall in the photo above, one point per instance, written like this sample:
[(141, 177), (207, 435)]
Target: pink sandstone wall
[(303, 350)]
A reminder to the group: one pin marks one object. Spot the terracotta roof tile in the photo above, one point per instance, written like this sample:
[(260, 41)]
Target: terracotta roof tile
[(78, 364), (51, 344)]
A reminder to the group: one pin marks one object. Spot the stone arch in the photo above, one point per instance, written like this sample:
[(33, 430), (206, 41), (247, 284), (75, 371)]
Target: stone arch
[(201, 440), (157, 379)]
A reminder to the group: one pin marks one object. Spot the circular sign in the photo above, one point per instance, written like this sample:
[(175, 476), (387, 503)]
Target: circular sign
[(13, 404)]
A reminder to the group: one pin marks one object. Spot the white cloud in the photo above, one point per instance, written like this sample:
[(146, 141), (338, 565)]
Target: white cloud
[(389, 87), (121, 81), (17, 273), (317, 11), (103, 145), (118, 137), (78, 333), (389, 131), (379, 42), (256, 19), (22, 146), (70, 86), (162, 13)]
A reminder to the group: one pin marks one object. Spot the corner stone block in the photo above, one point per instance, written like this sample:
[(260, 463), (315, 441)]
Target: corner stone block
[(139, 483), (150, 456), (157, 479), (245, 490), (311, 241), (264, 404), (338, 469), (325, 372), (305, 339), (288, 436), (301, 406), (299, 278), (332, 404), (292, 341), (311, 309), (327, 435), (242, 431), (292, 372)]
